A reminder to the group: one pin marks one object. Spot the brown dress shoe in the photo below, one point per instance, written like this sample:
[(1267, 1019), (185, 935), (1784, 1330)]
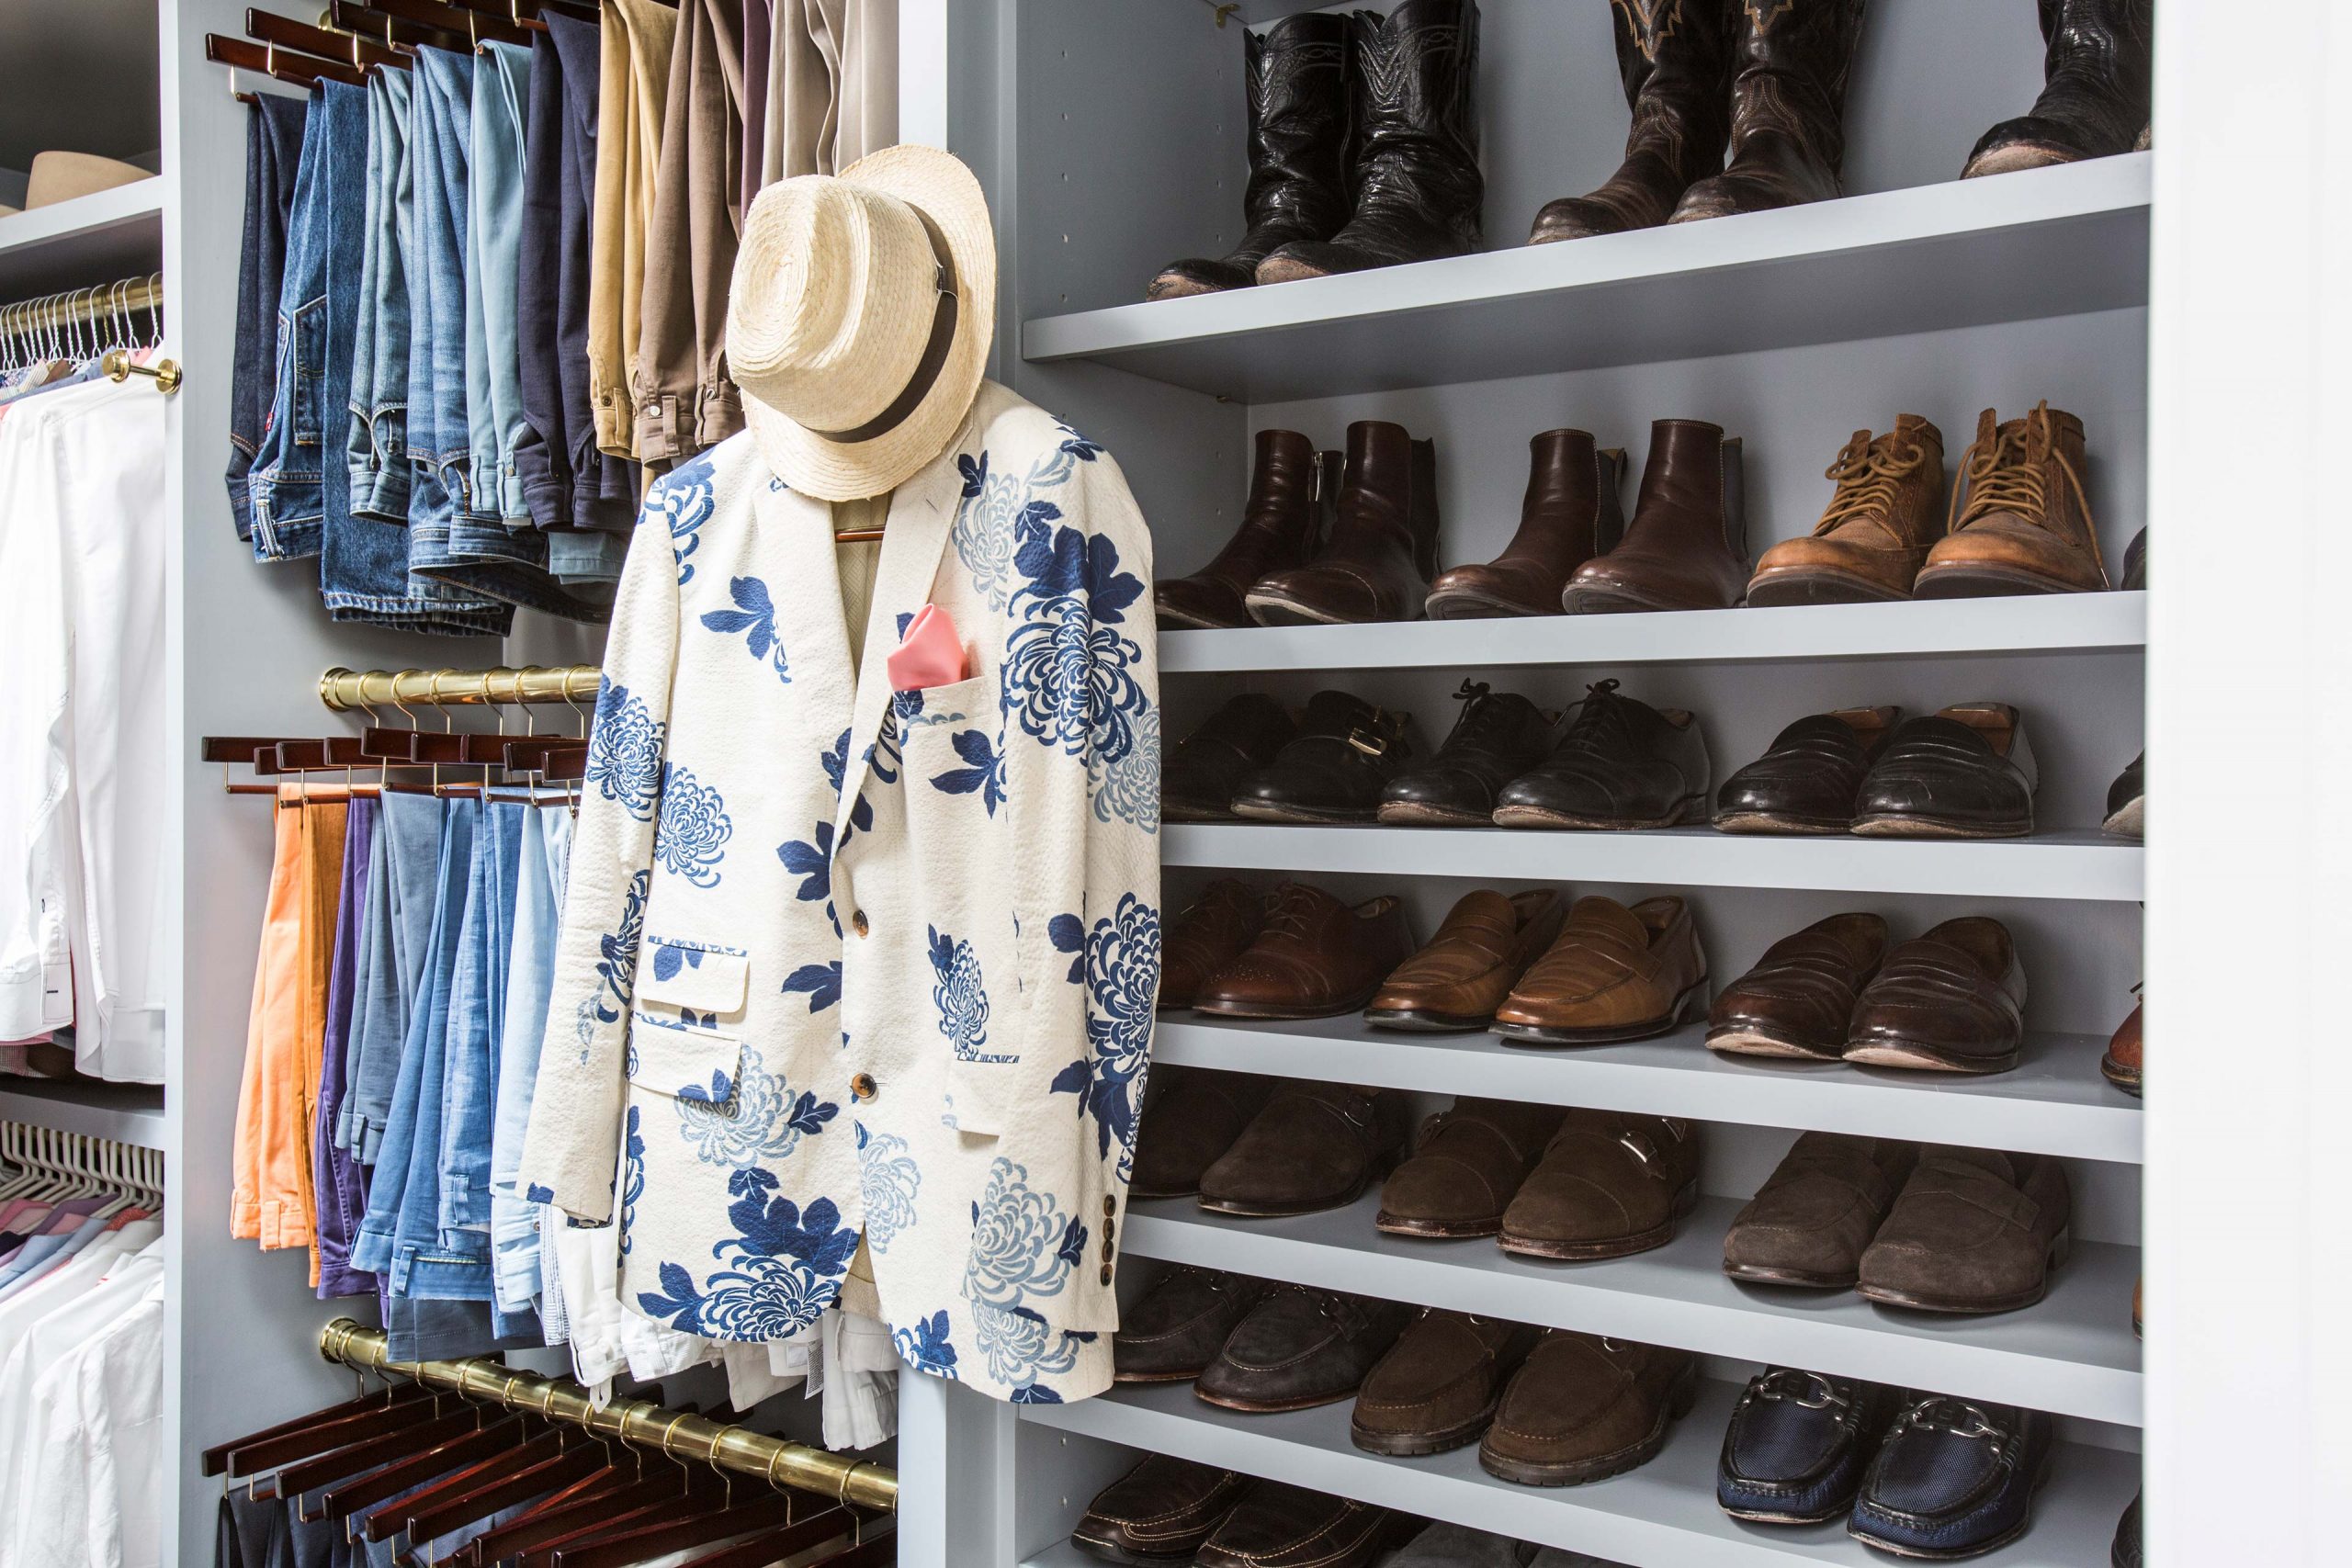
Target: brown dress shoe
[(1582, 1408), (1806, 781), (2122, 1063), (1382, 548), (1611, 1183), (1808, 1223), (1458, 980), (1300, 1347), (1797, 999), (1159, 1513), (1176, 1328), (2026, 524), (1210, 932), (1468, 1162), (1282, 523), (1613, 973), (1687, 546), (1311, 1147), (1439, 1385), (1874, 537), (1192, 1117), (1280, 1526), (1314, 957), (1571, 513), (1198, 781), (1974, 1231), (1951, 1000)]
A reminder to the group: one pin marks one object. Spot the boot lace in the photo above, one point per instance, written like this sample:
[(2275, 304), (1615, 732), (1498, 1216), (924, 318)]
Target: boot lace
[(1483, 720), (2000, 473), (1600, 728), (1866, 477), (1293, 906)]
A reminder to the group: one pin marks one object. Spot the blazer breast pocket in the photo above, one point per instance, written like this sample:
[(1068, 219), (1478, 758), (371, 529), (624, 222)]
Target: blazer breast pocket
[(706, 983)]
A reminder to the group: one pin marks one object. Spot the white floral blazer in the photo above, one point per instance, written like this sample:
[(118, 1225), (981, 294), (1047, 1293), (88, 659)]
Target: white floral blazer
[(836, 961)]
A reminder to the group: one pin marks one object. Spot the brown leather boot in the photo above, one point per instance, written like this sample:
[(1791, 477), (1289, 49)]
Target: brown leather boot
[(2097, 70), (1788, 101), (1686, 547), (1883, 519), (1675, 57), (2024, 526), (1383, 549), (1281, 525), (1570, 514)]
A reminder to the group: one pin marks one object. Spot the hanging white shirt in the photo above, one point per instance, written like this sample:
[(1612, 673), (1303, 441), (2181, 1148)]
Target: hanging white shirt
[(96, 1450), (70, 1320)]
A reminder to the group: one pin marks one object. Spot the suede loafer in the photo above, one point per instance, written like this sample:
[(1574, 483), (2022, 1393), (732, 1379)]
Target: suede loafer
[(1175, 1329), (1439, 1385), (1159, 1513), (1583, 1408), (1810, 1222), (1300, 1347)]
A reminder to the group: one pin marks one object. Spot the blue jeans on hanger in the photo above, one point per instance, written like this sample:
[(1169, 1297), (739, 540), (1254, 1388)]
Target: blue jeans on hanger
[(274, 137), (477, 1021), (494, 248), (282, 487), (340, 1184), (376, 440), (396, 934), (439, 444), (530, 979)]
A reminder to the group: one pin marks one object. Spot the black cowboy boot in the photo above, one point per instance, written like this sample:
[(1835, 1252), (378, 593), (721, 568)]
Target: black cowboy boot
[(1418, 186), (2094, 92), (1302, 134), (1788, 97), (1675, 57)]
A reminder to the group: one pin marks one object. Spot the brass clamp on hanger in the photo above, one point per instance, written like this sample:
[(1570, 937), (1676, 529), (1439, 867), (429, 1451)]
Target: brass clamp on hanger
[(117, 365)]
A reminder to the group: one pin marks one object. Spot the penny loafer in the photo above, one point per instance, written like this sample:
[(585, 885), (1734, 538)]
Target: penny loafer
[(1952, 1480), (1499, 736), (1175, 1329), (1439, 1385), (1336, 767), (1314, 957), (1799, 997), (1583, 1408), (1612, 974), (1159, 1513), (1301, 1348), (2127, 801), (1620, 764), (1468, 968), (1974, 1231), (1469, 1163), (1951, 1000), (1197, 782), (1611, 1183), (1807, 780), (1279, 1526), (1811, 1220), (1966, 773), (1797, 1445), (1192, 1117), (1311, 1147), (1210, 932)]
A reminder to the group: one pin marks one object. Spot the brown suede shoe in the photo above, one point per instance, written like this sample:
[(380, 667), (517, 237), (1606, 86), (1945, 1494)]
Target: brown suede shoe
[(1571, 513), (2023, 522), (2122, 1063), (1313, 1147), (1583, 1408), (1797, 999), (1951, 1000), (1159, 1513), (1974, 1231), (1209, 933), (1470, 1161), (1687, 546), (1611, 1183), (1314, 957), (1300, 1347), (1439, 1385), (1810, 1220), (1883, 519), (1177, 1326), (1612, 974), (1192, 1117), (1279, 1526), (1484, 946)]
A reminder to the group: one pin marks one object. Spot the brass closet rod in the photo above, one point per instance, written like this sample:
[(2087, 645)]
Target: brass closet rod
[(344, 690), (635, 1421)]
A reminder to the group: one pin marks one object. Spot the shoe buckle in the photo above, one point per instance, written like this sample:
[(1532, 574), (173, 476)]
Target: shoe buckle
[(1369, 741), (1641, 1148)]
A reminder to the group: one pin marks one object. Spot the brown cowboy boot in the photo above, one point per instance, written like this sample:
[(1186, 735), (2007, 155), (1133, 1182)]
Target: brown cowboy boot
[(1675, 57), (1788, 97)]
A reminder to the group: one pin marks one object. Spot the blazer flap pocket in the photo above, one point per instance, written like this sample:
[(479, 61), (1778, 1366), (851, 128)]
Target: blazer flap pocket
[(692, 976), (683, 1063)]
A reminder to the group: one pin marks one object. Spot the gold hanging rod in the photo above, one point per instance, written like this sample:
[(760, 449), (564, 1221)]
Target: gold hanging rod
[(130, 297), (779, 1462), (344, 689)]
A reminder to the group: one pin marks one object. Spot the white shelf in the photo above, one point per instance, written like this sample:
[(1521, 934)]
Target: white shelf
[(2048, 865), (129, 1113), (84, 242), (2054, 623), (2054, 1102), (2073, 1354), (1661, 1516), (2042, 242)]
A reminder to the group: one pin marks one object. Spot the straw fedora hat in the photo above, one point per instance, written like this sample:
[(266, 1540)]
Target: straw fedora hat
[(859, 319)]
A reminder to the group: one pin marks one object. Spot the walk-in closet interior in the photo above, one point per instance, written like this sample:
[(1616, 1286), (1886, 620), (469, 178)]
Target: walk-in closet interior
[(1565, 1139)]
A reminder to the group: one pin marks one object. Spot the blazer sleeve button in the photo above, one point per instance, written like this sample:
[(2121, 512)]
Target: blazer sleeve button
[(1106, 1273), (862, 1087), (858, 922)]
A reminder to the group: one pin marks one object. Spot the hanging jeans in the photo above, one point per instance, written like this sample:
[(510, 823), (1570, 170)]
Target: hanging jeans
[(282, 488), (341, 1182), (396, 934), (530, 977), (477, 1022), (274, 137)]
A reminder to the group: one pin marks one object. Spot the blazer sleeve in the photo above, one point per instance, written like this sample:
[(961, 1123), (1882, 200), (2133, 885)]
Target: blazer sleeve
[(572, 1149)]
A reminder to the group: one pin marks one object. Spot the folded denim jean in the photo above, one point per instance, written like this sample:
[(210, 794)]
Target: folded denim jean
[(274, 132), (477, 1018), (448, 1331), (397, 932)]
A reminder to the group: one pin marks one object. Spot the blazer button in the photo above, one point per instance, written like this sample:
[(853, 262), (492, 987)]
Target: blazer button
[(1106, 1250), (862, 1087), (1106, 1273), (857, 922), (1110, 1205)]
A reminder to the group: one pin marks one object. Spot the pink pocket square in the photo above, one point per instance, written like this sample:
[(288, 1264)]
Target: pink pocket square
[(929, 655)]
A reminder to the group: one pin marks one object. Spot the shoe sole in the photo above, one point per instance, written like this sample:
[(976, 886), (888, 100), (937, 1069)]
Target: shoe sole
[(1182, 622), (1414, 813), (1793, 1279), (1467, 607), (2130, 822), (1195, 811), (1778, 822), (1818, 586), (1686, 1199), (1158, 1377), (1932, 1554), (1105, 1551), (1523, 1472), (1421, 1021), (1691, 808), (1283, 270), (1333, 1008), (1271, 610), (2123, 1078), (1416, 1445), (1746, 1040), (1892, 825), (2059, 1249), (1614, 601), (1311, 816), (1437, 1230), (1547, 1034), (1990, 582), (1270, 1406), (1920, 1056), (1763, 1517), (1138, 1195)]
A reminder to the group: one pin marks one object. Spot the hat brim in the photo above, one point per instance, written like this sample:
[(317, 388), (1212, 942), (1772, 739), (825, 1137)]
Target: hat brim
[(937, 185)]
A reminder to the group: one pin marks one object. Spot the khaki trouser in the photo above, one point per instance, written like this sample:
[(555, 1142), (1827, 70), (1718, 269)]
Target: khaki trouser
[(636, 44)]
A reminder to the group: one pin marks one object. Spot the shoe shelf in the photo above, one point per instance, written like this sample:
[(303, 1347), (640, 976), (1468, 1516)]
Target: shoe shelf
[(2072, 1353), (2042, 242), (2054, 1102), (104, 235), (1662, 1515), (2055, 623), (129, 1113), (2048, 865)]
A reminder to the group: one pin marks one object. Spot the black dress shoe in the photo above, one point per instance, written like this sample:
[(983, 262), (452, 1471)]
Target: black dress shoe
[(1806, 781), (1196, 782), (1334, 772), (1159, 1513), (2125, 1552), (1952, 1480), (1280, 1526), (1966, 773), (1797, 1446), (2135, 561), (1623, 764), (1499, 737), (2127, 800), (1300, 1347), (1176, 1328)]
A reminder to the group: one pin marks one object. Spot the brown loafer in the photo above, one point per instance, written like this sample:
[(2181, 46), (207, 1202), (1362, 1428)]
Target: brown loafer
[(1314, 957), (1583, 1408), (1951, 1000), (1974, 1231), (1440, 1384), (1279, 1526), (1611, 1183), (1808, 1223), (1458, 980), (1191, 1119), (1159, 1513), (1175, 1329), (2122, 1063), (1799, 997), (1612, 974), (1312, 1147), (1469, 1162), (1209, 933), (1300, 1347)]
